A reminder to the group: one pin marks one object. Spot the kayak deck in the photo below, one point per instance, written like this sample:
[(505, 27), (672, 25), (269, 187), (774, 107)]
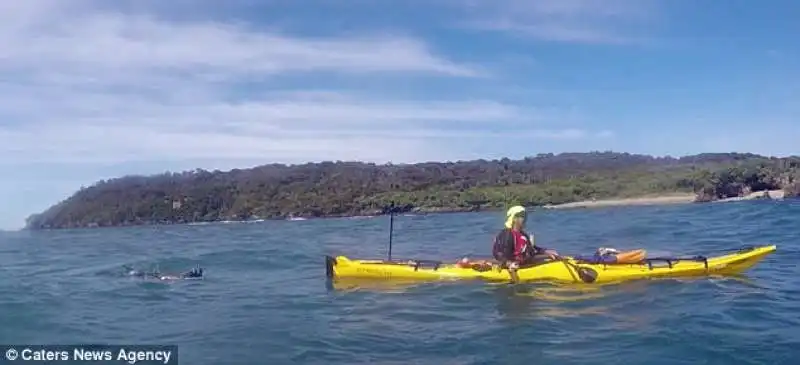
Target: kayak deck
[(563, 270)]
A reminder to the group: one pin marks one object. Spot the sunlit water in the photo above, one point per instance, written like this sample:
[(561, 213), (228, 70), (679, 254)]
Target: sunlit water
[(266, 299)]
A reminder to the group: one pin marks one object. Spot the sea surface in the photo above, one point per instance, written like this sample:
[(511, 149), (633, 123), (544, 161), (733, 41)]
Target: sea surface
[(266, 299)]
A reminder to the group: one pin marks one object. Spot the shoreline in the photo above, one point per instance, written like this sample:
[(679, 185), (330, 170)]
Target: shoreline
[(666, 199), (773, 195)]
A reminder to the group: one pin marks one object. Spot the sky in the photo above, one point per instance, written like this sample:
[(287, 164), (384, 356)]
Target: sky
[(95, 89)]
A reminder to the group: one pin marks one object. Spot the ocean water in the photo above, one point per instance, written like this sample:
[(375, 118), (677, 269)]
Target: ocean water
[(266, 300)]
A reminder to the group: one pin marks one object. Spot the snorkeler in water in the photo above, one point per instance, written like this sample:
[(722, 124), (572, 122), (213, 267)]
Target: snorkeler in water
[(193, 274)]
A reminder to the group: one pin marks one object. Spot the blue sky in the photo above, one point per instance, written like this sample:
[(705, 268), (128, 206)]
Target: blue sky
[(95, 89)]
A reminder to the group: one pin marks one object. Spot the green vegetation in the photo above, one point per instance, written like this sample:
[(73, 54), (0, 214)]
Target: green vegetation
[(354, 188)]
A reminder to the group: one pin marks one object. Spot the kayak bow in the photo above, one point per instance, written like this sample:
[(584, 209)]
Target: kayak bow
[(566, 269)]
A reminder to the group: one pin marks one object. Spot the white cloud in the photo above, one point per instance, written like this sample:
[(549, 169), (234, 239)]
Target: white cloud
[(572, 21), (554, 31), (73, 129), (81, 85), (90, 42), (91, 86)]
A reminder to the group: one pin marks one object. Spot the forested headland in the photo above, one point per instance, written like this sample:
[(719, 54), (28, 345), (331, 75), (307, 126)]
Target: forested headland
[(354, 188)]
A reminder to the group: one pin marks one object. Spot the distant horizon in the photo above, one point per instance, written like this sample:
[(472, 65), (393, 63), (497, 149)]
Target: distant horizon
[(726, 155), (518, 158), (226, 170)]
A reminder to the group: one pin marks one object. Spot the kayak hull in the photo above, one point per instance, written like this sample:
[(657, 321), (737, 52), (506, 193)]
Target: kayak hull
[(566, 270)]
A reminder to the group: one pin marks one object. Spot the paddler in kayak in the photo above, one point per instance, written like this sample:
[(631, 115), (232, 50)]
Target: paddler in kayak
[(513, 246)]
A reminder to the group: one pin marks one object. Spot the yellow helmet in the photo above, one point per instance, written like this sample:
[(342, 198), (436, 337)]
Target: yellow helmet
[(511, 213)]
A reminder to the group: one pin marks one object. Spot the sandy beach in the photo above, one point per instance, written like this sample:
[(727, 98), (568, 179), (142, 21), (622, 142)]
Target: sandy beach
[(658, 200), (648, 200)]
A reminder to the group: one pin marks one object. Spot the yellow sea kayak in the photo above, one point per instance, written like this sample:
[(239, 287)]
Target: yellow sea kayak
[(566, 269)]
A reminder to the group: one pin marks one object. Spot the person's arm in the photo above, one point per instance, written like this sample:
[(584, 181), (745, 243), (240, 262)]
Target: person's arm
[(538, 250), (502, 251)]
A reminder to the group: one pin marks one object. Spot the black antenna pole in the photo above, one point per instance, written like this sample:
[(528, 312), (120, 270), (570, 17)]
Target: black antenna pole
[(391, 228)]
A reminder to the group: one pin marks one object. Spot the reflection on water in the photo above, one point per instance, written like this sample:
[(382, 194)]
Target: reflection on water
[(512, 301), (372, 285), (538, 301), (629, 306)]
